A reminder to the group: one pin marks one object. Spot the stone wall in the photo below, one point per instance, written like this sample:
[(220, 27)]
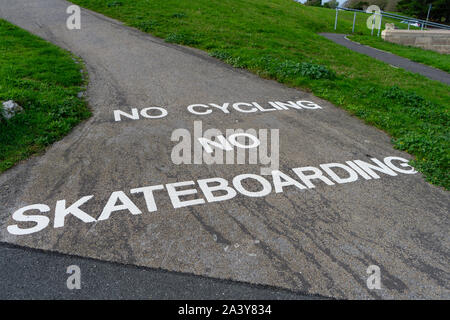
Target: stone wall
[(436, 40)]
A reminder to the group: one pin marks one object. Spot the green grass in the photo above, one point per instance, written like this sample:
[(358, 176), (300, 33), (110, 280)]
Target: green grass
[(428, 57), (45, 81)]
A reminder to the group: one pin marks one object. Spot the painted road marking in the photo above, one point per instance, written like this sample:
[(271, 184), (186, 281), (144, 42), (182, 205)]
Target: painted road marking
[(119, 201), (205, 109)]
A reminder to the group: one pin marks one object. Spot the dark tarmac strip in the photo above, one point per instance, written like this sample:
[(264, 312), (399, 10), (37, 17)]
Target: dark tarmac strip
[(314, 231), (36, 274), (392, 59)]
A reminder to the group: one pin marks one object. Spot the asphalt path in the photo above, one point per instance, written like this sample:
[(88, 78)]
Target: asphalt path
[(392, 59), (36, 274), (310, 240)]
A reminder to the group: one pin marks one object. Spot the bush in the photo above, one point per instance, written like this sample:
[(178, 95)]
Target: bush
[(292, 69)]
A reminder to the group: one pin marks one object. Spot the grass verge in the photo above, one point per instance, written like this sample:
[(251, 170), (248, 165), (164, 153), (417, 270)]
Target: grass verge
[(278, 39), (45, 81), (428, 57)]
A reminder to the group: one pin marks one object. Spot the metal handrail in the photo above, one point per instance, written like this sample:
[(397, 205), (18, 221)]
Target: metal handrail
[(392, 16)]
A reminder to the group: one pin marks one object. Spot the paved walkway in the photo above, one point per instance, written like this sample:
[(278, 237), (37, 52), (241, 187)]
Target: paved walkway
[(92, 191), (392, 59), (35, 274)]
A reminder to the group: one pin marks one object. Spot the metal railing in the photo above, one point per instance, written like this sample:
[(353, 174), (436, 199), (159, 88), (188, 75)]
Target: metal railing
[(409, 20)]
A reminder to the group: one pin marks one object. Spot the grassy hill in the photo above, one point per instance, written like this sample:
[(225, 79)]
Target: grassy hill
[(278, 39)]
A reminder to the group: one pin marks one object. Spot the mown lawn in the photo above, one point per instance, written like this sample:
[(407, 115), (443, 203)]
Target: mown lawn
[(45, 81), (428, 57)]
